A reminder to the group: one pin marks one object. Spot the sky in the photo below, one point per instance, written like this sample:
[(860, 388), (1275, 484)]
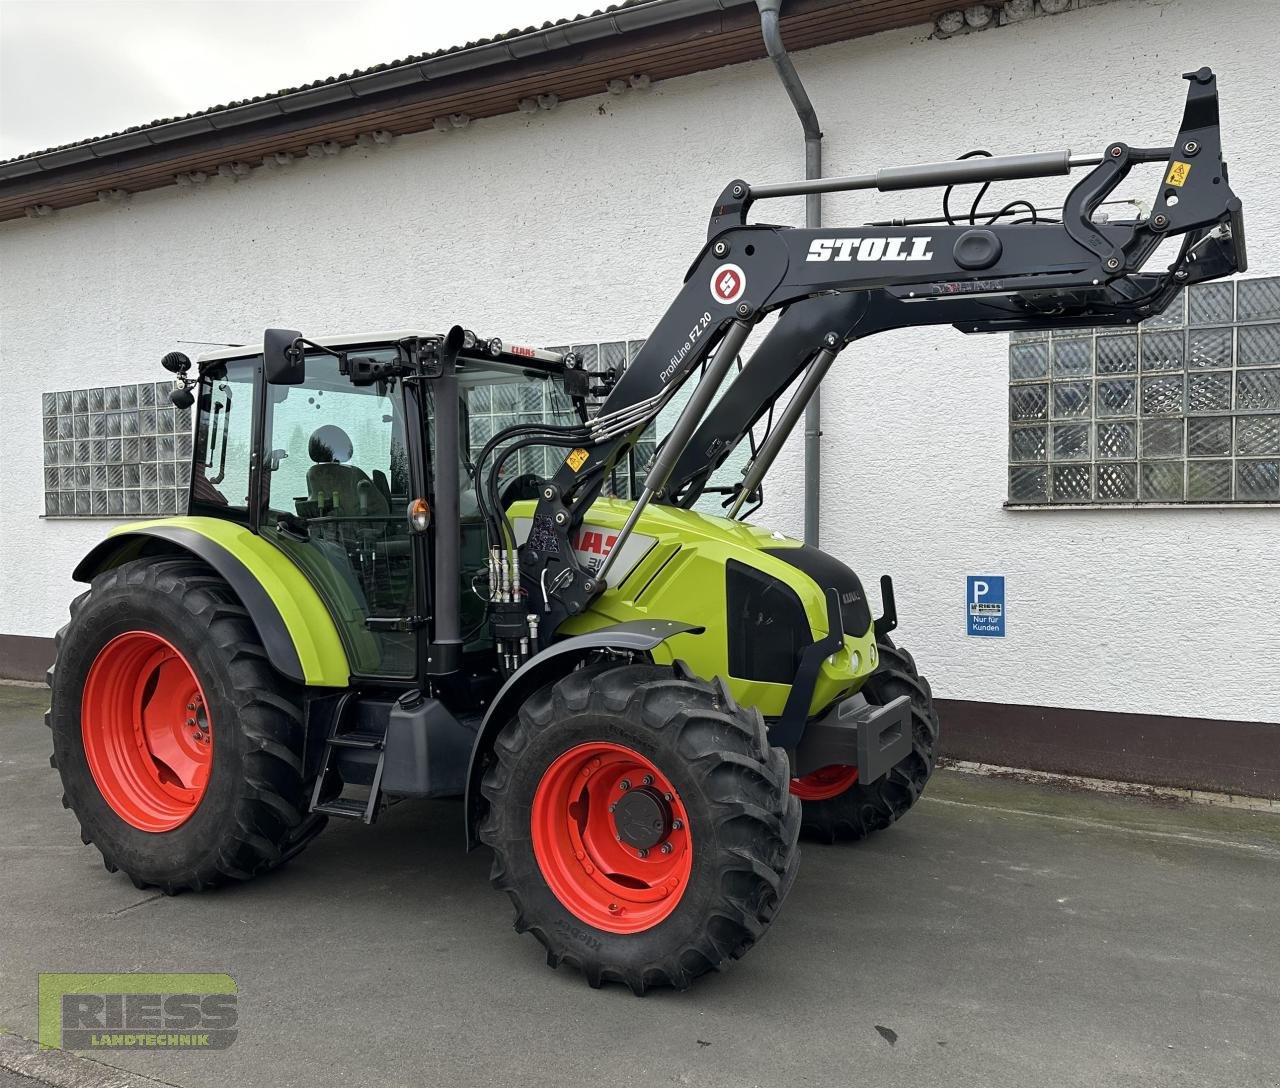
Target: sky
[(71, 69)]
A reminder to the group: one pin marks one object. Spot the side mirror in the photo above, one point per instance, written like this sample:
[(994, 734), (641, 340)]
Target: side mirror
[(283, 357)]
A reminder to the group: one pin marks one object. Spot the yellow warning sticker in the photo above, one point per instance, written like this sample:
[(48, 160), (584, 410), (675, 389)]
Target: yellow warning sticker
[(1178, 172), (576, 459)]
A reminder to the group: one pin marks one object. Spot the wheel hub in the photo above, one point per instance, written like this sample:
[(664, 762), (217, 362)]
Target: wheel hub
[(611, 837), (146, 730), (642, 818)]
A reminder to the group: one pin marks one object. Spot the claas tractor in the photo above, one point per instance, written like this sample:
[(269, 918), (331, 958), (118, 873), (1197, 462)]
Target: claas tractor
[(427, 564)]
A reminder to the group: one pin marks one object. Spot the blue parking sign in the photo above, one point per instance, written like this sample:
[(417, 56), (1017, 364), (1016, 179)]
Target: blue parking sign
[(984, 597)]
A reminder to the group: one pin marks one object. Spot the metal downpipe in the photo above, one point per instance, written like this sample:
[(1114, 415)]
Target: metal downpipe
[(769, 28)]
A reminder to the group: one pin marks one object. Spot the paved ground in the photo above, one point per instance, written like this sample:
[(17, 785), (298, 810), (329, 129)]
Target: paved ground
[(1004, 934)]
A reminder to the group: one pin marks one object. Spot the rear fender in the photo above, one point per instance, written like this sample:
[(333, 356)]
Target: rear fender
[(634, 636), (296, 629)]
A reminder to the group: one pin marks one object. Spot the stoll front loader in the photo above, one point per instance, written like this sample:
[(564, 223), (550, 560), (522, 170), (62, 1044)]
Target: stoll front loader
[(643, 706)]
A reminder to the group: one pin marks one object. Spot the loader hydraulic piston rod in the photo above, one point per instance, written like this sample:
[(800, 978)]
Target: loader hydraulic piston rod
[(755, 470), (1041, 164), (690, 416)]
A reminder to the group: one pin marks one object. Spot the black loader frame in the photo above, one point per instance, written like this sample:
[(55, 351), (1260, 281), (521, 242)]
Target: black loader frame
[(834, 286)]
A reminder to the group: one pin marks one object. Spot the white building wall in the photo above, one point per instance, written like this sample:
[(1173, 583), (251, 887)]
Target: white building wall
[(578, 224)]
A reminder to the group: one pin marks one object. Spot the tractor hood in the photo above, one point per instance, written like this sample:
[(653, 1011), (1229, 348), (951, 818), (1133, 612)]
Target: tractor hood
[(760, 597)]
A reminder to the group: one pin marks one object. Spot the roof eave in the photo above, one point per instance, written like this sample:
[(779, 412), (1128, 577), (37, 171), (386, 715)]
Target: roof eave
[(660, 38)]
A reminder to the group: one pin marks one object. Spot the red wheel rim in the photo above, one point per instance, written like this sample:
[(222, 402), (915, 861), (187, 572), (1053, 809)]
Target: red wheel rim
[(824, 783), (146, 729), (594, 803)]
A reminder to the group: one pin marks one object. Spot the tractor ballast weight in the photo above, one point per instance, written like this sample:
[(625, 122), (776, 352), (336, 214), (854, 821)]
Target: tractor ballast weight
[(375, 596)]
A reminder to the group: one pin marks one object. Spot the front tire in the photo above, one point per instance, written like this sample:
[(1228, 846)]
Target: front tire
[(840, 808), (179, 747), (641, 824)]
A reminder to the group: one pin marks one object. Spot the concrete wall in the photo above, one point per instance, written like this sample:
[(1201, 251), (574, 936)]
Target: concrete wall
[(578, 224)]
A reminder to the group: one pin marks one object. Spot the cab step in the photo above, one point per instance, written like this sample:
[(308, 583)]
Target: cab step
[(357, 740), (351, 751), (345, 808)]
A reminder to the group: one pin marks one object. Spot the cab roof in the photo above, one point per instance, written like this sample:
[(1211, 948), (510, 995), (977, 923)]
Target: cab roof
[(335, 340)]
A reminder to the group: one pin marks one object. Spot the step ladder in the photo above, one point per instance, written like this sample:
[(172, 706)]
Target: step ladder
[(338, 743)]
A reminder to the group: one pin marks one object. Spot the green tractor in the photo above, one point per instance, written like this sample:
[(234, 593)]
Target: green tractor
[(417, 565)]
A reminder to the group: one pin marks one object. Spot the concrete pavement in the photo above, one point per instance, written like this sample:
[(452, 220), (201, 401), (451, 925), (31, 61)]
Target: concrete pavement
[(1001, 935)]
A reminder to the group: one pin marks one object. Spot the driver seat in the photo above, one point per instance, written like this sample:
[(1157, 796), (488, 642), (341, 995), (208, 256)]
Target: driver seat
[(338, 488)]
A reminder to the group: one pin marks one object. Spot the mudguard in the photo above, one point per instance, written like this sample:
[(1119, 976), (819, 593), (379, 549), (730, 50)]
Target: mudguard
[(297, 632), (638, 636)]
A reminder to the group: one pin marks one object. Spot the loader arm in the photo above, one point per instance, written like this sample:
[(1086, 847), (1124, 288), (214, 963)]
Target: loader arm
[(835, 285)]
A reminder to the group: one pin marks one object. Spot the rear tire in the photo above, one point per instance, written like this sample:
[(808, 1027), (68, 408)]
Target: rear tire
[(246, 810), (661, 917), (860, 808)]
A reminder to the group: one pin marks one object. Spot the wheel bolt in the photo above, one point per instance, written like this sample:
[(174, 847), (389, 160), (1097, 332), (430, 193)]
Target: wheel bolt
[(191, 706), (648, 780), (643, 852), (677, 825), (614, 908), (624, 785), (191, 722), (666, 848), (195, 736), (613, 806), (667, 797)]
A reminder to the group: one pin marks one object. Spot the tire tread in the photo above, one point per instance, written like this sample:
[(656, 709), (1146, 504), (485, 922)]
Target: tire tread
[(270, 823), (757, 820), (865, 808)]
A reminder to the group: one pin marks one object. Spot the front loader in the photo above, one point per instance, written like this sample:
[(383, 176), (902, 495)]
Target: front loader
[(407, 570)]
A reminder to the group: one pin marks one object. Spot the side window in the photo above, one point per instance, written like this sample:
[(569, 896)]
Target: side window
[(220, 475)]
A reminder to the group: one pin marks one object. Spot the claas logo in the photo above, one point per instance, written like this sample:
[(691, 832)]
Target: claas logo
[(589, 542)]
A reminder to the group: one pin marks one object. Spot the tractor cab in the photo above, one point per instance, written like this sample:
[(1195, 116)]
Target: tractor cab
[(334, 451)]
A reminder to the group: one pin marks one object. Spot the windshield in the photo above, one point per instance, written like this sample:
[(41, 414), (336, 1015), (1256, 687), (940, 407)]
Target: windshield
[(494, 397)]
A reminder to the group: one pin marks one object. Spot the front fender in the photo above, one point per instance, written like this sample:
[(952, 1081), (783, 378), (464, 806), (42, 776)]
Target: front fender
[(296, 629), (635, 636)]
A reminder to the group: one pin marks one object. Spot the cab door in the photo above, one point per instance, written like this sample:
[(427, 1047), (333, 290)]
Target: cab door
[(336, 468)]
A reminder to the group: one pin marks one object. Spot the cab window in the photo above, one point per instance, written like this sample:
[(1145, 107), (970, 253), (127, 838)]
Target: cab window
[(224, 437)]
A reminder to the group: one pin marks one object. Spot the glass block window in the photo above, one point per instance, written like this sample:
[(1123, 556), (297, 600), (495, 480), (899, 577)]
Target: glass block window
[(116, 451), (1185, 408)]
